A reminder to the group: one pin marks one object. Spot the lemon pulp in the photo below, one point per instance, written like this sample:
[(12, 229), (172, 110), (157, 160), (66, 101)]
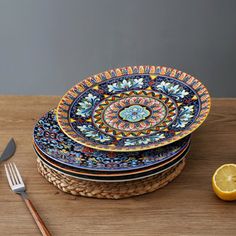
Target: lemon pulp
[(224, 182)]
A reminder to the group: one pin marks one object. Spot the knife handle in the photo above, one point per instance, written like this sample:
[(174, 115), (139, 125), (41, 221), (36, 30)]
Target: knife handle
[(42, 227)]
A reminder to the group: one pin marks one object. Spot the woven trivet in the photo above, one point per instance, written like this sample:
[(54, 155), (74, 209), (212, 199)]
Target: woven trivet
[(109, 190)]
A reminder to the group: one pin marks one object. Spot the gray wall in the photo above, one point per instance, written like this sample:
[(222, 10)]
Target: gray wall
[(47, 46)]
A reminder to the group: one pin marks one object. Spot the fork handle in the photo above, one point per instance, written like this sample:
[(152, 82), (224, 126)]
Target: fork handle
[(42, 227)]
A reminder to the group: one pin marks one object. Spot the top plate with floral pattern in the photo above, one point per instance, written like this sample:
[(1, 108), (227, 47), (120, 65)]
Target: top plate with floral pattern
[(133, 108)]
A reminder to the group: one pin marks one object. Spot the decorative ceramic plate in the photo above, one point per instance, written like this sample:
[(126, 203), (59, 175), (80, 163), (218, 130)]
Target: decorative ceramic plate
[(114, 178), (53, 143), (73, 170), (133, 108)]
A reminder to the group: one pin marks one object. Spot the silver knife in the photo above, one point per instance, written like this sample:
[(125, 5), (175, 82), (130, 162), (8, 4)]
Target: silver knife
[(8, 151)]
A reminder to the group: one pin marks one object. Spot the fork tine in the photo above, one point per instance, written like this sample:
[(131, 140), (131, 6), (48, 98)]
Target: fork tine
[(8, 176), (13, 173), (18, 174)]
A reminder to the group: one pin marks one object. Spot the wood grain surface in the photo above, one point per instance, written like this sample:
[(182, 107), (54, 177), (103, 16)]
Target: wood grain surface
[(187, 206)]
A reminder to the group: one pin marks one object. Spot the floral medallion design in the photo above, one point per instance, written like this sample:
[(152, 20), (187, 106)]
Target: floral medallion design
[(133, 108), (52, 142), (134, 113)]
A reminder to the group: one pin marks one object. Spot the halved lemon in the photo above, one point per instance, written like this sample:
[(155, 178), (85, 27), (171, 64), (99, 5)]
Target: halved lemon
[(224, 182)]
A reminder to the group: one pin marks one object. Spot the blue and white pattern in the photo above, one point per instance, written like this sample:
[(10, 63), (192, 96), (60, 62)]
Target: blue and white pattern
[(186, 114), (173, 90), (134, 113), (86, 105), (125, 84), (144, 141), (90, 132)]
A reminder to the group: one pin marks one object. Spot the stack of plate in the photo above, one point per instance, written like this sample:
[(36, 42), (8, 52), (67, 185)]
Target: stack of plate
[(130, 126)]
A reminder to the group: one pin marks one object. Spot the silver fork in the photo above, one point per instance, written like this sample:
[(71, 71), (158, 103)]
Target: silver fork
[(17, 185)]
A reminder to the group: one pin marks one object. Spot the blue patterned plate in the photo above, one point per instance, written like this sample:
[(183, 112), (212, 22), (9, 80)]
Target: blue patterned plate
[(53, 143), (133, 108)]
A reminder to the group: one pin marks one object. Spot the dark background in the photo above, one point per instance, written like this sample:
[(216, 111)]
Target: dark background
[(46, 46)]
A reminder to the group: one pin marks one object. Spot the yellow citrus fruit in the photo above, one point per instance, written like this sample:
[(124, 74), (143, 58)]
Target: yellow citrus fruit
[(224, 182)]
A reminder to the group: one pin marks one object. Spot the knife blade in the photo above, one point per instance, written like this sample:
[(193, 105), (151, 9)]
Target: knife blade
[(8, 151)]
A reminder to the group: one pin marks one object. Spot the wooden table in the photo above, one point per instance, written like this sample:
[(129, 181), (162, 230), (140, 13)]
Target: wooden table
[(187, 206)]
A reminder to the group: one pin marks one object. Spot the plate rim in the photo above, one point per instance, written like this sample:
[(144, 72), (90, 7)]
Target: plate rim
[(112, 173), (114, 180)]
